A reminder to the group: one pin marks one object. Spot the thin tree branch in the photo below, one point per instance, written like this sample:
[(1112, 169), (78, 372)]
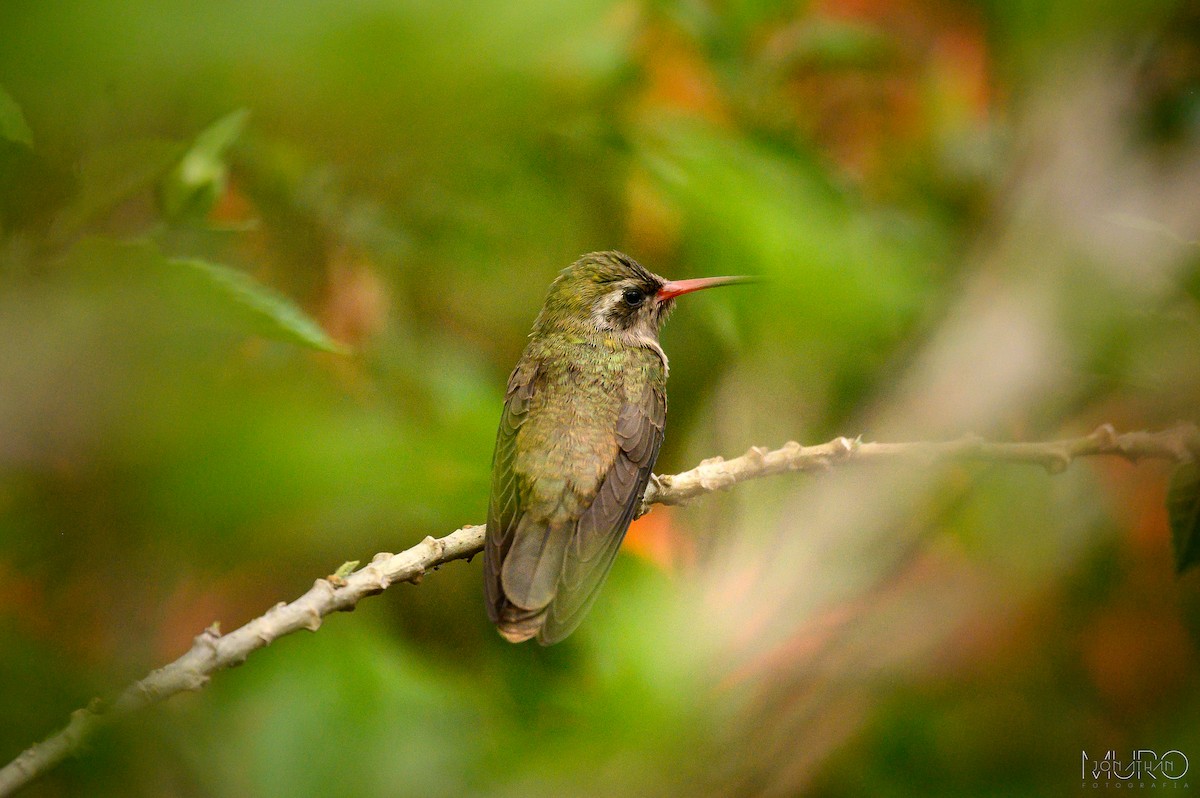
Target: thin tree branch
[(1180, 443), (212, 651)]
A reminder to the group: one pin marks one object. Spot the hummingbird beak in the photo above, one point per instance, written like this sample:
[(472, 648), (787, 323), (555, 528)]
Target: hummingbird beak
[(674, 288)]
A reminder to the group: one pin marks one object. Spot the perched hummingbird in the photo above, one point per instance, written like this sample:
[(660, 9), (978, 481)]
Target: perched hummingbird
[(583, 421)]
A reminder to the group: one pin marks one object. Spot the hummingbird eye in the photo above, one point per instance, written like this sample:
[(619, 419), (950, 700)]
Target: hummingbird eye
[(633, 297)]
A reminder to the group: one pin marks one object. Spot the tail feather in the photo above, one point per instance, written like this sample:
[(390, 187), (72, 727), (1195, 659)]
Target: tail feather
[(517, 625)]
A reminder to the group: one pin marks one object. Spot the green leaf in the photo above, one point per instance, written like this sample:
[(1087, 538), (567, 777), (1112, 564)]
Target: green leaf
[(1183, 510), (12, 122), (267, 312), (198, 292), (200, 178), (32, 189)]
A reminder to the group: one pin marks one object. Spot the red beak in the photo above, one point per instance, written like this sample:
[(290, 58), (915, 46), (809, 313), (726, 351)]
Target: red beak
[(676, 288)]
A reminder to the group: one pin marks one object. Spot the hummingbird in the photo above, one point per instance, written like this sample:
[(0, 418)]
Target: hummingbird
[(584, 414)]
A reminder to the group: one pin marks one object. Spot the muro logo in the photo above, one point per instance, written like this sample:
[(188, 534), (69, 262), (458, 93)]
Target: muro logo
[(1144, 769)]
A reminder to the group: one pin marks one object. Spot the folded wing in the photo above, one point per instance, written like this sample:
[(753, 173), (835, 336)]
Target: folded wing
[(544, 565), (602, 526)]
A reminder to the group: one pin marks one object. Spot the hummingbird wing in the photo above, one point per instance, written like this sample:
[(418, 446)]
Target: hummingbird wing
[(602, 525), (505, 509), (552, 536)]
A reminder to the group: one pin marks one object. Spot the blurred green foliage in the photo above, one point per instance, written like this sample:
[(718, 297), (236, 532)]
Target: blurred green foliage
[(195, 199)]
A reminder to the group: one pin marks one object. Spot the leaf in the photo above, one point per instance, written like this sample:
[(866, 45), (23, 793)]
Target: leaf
[(199, 292), (31, 188), (1183, 510), (200, 178), (269, 313), (12, 122)]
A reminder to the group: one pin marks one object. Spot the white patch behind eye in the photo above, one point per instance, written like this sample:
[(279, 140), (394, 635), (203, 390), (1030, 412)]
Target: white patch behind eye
[(643, 333), (605, 309)]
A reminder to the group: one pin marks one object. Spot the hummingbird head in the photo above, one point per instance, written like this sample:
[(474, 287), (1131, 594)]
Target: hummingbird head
[(609, 293)]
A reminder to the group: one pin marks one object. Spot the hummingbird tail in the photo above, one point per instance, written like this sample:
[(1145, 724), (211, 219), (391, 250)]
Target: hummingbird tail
[(517, 625)]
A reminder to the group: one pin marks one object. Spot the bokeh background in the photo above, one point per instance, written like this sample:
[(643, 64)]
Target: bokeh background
[(970, 216)]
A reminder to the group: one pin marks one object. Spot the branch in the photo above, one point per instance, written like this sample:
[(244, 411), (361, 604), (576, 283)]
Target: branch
[(212, 651), (1180, 443)]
